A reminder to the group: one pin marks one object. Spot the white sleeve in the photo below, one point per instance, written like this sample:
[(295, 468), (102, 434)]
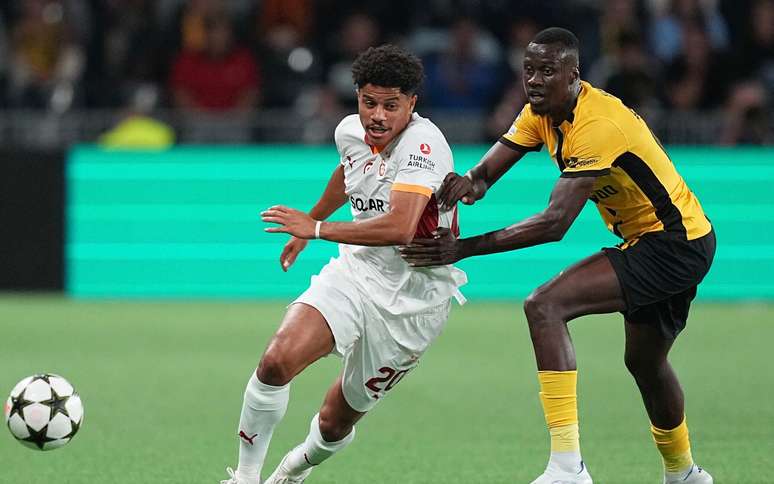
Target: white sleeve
[(344, 138), (423, 164)]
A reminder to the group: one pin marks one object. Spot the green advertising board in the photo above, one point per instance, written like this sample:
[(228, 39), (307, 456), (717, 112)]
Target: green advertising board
[(184, 223)]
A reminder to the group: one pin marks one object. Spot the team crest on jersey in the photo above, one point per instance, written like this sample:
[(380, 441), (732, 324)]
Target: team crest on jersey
[(425, 148)]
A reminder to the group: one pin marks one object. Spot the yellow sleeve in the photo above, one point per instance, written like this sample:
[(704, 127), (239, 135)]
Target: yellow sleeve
[(524, 134), (596, 145)]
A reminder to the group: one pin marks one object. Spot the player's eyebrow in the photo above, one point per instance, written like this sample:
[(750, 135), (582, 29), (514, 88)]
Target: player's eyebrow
[(541, 62), (372, 98)]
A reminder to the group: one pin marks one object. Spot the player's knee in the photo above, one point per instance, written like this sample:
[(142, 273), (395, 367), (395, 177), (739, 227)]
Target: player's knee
[(537, 308), (274, 369), (333, 430), (639, 365)]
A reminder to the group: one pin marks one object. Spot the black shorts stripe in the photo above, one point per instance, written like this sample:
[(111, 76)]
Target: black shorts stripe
[(643, 177), (524, 149)]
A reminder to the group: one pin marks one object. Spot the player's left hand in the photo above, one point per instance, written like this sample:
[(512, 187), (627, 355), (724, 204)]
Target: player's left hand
[(438, 251), (290, 221)]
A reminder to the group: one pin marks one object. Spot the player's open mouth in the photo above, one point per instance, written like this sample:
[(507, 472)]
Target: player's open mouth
[(377, 131), (535, 97)]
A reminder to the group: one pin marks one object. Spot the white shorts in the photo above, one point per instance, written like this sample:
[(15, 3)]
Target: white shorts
[(378, 348)]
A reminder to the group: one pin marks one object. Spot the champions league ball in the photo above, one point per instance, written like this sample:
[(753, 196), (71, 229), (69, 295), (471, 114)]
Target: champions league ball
[(43, 412)]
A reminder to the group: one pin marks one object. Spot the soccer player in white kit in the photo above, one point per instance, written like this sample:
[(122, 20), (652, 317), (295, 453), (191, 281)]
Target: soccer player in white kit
[(366, 305)]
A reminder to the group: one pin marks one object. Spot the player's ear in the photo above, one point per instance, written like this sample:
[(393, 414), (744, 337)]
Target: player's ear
[(412, 103)]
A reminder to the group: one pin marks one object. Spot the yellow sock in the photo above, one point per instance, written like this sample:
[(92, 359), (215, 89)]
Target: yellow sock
[(675, 447), (560, 405)]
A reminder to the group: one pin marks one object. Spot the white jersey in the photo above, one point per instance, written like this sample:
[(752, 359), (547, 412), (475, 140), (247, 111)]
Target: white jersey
[(417, 160)]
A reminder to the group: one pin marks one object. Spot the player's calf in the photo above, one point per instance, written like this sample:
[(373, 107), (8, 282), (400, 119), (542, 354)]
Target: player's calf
[(332, 429)]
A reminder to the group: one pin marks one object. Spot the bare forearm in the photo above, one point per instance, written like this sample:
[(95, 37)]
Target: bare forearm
[(325, 207), (332, 198), (535, 230), (498, 160), (567, 200), (377, 231)]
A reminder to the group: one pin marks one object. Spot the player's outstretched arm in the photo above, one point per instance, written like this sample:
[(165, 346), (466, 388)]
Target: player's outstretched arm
[(567, 200), (332, 198), (473, 186), (396, 227)]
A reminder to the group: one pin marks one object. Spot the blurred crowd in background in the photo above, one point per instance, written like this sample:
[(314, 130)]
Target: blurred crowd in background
[(701, 71)]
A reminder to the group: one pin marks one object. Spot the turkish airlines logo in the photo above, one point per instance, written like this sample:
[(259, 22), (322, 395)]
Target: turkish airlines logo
[(424, 148)]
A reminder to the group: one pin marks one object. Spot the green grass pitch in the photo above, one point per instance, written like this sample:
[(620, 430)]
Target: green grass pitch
[(162, 386)]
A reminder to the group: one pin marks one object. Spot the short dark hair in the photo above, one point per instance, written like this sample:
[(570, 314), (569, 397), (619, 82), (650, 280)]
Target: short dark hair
[(557, 35), (388, 66), (563, 37)]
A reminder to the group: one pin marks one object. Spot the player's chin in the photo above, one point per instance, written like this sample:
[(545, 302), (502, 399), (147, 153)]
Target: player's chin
[(539, 106)]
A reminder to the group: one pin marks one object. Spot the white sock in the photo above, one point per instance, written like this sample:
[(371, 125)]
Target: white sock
[(315, 449), (678, 476), (262, 409), (570, 461)]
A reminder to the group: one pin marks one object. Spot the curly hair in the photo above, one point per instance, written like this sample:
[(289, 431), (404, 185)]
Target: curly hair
[(388, 66)]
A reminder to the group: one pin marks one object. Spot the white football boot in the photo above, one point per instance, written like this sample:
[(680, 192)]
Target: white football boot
[(554, 475), (696, 475), (282, 476), (233, 479)]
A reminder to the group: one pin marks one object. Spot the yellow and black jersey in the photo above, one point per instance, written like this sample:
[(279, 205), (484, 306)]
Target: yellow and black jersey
[(638, 189)]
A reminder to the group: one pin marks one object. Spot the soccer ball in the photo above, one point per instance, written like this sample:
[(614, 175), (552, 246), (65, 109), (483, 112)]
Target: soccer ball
[(44, 412)]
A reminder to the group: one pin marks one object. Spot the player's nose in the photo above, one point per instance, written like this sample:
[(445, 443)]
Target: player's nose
[(379, 114), (534, 80)]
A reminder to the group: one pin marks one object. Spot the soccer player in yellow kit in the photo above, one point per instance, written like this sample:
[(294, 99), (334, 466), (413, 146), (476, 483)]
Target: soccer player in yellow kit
[(607, 154)]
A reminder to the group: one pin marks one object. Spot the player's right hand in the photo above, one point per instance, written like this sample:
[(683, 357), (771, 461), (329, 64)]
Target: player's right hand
[(290, 252), (457, 188)]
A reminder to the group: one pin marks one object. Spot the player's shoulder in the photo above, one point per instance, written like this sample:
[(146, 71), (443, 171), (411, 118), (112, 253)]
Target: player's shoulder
[(600, 112), (421, 133), (598, 105), (349, 130)]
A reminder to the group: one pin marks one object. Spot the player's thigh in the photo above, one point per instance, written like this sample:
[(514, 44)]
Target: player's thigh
[(303, 337), (324, 319), (652, 329), (388, 350), (646, 344), (590, 286)]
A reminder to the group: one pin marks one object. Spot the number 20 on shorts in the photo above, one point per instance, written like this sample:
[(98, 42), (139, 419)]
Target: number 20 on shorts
[(385, 383)]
